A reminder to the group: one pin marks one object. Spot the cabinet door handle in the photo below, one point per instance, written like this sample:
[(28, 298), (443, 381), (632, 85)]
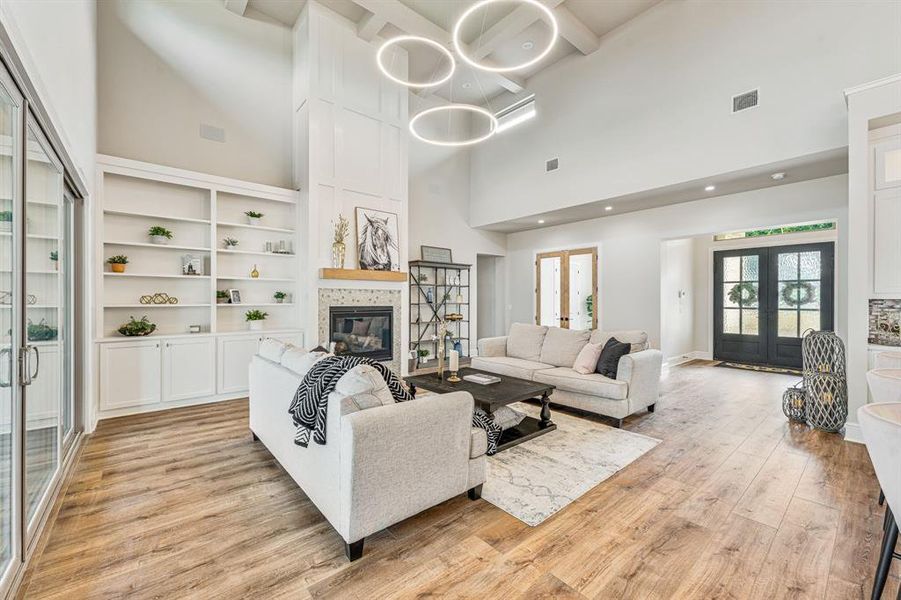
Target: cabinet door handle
[(37, 363)]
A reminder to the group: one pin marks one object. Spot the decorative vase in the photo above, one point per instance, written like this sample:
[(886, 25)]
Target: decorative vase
[(221, 300), (253, 221), (254, 273), (255, 325), (338, 252), (116, 267), (279, 300), (159, 239)]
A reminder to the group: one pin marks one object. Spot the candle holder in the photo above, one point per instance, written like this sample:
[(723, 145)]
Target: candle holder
[(453, 377), (826, 402)]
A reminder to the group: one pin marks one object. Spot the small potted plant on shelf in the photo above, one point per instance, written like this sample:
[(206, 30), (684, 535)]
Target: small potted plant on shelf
[(279, 296), (159, 235), (117, 263), (221, 297), (230, 243), (54, 258), (423, 355), (136, 328), (6, 220), (41, 332), (255, 319), (253, 217)]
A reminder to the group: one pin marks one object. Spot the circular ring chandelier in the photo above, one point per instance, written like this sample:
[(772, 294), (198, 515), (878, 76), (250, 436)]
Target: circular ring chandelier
[(428, 42), (492, 122), (459, 46)]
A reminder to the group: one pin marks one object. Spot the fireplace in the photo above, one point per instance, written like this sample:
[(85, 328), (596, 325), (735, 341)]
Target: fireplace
[(362, 331)]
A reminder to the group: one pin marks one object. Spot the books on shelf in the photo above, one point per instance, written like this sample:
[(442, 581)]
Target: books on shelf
[(482, 378)]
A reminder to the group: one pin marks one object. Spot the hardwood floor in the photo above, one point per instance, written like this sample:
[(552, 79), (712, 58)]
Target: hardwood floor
[(735, 503)]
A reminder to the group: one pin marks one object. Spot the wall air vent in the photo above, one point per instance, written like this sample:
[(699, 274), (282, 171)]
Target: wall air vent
[(745, 101), (552, 165), (212, 133)]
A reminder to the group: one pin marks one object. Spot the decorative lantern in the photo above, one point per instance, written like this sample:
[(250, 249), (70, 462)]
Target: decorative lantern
[(825, 380), (794, 402)]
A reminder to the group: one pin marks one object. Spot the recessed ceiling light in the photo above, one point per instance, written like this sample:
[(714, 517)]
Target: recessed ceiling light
[(466, 85), (540, 221), (608, 208), (709, 188), (778, 176), (528, 45)]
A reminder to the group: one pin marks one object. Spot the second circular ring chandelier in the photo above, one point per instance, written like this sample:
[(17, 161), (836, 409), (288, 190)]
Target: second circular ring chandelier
[(448, 72)]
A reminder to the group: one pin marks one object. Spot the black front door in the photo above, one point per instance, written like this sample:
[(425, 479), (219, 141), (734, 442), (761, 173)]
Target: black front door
[(766, 298)]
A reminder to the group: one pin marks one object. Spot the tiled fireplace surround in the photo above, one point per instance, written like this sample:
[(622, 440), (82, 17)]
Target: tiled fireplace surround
[(329, 297)]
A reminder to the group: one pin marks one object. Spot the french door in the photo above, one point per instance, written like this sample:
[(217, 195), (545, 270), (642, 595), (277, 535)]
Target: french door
[(766, 298), (566, 288)]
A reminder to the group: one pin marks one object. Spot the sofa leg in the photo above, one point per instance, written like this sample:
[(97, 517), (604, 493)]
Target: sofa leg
[(354, 550), (652, 407), (618, 423), (254, 436), (475, 493)]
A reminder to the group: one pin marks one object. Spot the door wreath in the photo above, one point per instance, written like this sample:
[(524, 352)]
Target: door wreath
[(798, 293), (743, 294)]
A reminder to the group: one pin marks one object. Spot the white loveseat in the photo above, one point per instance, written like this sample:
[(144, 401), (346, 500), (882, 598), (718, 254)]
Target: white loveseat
[(547, 354), (383, 461)]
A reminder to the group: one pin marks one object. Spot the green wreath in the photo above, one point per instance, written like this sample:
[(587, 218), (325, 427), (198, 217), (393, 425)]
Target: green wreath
[(791, 297), (743, 294)]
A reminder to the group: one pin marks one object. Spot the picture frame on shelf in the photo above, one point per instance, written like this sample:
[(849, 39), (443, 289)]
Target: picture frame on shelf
[(435, 254), (234, 296), (191, 265), (378, 240)]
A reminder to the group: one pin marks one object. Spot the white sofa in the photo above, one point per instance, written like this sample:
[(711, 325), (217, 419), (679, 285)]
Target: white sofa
[(380, 465), (547, 354)]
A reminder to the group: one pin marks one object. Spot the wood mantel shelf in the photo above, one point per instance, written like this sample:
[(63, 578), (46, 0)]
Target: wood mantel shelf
[(362, 275)]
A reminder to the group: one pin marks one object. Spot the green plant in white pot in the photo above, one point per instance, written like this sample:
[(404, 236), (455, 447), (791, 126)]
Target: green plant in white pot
[(6, 220), (279, 297), (159, 235), (255, 319), (253, 217)]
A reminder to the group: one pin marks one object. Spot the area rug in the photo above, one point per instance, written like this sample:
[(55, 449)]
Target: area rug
[(760, 368), (537, 478)]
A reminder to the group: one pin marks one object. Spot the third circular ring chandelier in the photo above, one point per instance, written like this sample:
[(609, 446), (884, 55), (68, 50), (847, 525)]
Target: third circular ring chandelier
[(463, 52)]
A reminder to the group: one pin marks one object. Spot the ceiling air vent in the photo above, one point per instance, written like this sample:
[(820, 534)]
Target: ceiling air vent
[(212, 133), (552, 165), (745, 101)]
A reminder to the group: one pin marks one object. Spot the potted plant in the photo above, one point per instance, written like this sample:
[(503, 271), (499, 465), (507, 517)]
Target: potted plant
[(159, 235), (54, 258), (279, 296), (136, 328), (117, 263), (221, 297), (6, 220), (41, 332), (230, 243), (255, 319), (253, 217), (423, 355)]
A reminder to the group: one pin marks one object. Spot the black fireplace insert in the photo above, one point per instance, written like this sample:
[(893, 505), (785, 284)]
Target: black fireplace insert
[(362, 331)]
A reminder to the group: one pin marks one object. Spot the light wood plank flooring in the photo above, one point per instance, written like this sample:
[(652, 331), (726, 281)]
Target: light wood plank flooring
[(735, 503)]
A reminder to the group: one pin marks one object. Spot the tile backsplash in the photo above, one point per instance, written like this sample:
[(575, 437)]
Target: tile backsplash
[(885, 322)]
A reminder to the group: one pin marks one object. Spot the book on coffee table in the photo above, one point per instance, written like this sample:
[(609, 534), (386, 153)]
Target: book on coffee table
[(482, 379)]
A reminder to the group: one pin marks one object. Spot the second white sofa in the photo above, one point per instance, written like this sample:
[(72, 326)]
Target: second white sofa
[(547, 354)]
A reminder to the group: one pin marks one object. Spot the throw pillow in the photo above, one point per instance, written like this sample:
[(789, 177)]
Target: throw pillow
[(272, 349), (364, 387), (587, 360), (610, 355)]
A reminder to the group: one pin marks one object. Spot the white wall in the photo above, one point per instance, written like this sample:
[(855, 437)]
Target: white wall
[(677, 298), (651, 107), (164, 68), (57, 42), (629, 247)]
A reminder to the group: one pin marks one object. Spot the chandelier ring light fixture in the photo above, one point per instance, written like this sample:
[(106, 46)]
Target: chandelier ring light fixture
[(492, 124), (422, 40), (459, 46)]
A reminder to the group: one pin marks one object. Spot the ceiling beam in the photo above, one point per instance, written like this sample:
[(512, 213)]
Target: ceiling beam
[(370, 26), (575, 31), (408, 20), (236, 6)]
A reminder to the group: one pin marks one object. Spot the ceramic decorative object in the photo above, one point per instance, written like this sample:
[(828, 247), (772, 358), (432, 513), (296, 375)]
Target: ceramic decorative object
[(254, 272)]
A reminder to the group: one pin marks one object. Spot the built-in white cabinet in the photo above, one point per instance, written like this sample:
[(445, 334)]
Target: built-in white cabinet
[(235, 353), (887, 164), (189, 368), (885, 147), (130, 374)]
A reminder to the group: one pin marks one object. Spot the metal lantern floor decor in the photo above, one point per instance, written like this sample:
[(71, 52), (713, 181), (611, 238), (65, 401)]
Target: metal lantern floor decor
[(794, 403), (825, 380)]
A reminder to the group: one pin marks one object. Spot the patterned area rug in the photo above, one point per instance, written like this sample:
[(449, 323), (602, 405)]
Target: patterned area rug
[(760, 368), (537, 478)]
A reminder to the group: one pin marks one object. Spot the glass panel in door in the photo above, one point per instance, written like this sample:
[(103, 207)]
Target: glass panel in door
[(581, 286), (44, 312), (10, 319), (550, 290)]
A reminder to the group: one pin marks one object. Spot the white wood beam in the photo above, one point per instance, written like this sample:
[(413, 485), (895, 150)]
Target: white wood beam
[(236, 6), (369, 26), (508, 28), (408, 20), (575, 31)]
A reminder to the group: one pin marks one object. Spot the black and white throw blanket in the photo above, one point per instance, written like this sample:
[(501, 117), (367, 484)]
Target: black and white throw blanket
[(310, 405)]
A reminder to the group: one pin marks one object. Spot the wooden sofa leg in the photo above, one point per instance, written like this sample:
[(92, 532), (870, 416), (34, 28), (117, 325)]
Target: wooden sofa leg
[(475, 493), (354, 550), (652, 407)]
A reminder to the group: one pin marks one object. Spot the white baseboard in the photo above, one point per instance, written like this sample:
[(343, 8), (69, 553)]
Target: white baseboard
[(672, 361), (853, 433)]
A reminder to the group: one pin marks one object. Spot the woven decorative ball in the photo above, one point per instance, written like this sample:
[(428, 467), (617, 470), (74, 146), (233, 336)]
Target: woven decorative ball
[(794, 403)]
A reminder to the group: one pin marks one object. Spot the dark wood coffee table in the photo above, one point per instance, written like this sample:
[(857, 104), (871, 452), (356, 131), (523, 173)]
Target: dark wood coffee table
[(491, 397)]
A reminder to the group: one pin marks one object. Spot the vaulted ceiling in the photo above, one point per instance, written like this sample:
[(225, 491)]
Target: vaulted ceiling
[(505, 33)]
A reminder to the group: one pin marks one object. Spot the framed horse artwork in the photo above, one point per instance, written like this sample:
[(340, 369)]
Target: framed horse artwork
[(377, 240)]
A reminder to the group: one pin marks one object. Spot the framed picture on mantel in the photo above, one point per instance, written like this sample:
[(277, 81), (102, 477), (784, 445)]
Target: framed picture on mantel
[(435, 254)]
